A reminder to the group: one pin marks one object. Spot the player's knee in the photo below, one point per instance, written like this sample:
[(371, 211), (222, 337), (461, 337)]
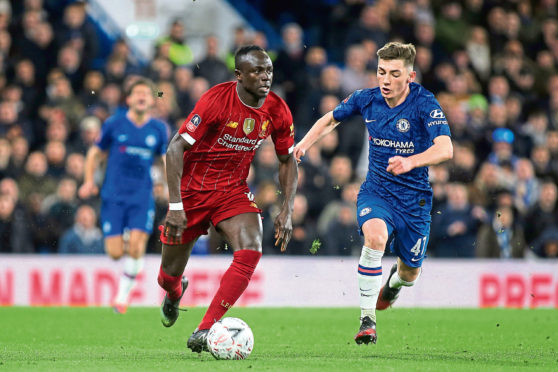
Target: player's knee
[(115, 254), (252, 246), (375, 241)]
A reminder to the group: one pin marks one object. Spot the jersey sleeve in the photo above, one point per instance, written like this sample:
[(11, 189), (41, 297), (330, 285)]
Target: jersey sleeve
[(201, 117), (434, 118), (283, 132), (348, 107), (105, 138)]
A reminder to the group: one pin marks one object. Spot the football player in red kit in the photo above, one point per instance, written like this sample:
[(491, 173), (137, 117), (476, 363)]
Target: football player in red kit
[(207, 165)]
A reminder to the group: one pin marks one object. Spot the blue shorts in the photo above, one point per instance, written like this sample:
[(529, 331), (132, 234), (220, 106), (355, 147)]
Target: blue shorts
[(408, 235), (117, 216)]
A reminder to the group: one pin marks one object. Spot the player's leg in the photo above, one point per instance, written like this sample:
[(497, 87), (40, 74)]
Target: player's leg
[(244, 233), (112, 223), (138, 219), (370, 276), (410, 245), (376, 225), (133, 266), (173, 262)]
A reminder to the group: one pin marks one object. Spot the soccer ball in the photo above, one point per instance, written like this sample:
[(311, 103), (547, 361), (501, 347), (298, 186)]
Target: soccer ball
[(230, 338)]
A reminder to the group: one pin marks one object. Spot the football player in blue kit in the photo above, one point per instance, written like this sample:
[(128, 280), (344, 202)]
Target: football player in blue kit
[(407, 132), (130, 141)]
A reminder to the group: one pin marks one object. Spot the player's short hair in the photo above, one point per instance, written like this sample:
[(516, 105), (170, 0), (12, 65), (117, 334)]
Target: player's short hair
[(397, 50), (244, 50), (141, 81)]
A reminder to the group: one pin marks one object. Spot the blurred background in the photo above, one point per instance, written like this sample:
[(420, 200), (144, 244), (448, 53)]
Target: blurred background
[(493, 66)]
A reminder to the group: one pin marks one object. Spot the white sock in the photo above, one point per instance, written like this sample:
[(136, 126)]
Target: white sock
[(132, 267), (396, 281), (369, 280)]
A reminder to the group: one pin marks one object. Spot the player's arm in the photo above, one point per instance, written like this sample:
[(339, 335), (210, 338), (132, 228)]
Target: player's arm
[(92, 159), (321, 127), (175, 221), (440, 151), (288, 179)]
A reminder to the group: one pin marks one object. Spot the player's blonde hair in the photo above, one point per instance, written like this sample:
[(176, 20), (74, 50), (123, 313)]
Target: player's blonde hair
[(397, 50)]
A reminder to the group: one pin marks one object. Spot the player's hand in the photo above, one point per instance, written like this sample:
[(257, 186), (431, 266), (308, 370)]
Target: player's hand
[(298, 153), (175, 223), (283, 229), (398, 165), (87, 190)]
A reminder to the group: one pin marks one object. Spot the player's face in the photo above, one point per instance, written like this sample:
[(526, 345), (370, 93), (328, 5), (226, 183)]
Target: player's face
[(255, 74), (393, 79), (140, 99)]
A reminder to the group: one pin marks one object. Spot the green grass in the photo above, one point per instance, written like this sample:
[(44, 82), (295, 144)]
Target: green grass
[(95, 339)]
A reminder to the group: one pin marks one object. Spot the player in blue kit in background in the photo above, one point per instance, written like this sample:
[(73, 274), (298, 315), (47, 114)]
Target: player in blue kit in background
[(132, 140), (407, 132)]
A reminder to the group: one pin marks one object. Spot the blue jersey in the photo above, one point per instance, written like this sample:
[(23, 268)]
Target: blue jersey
[(404, 130), (132, 150)]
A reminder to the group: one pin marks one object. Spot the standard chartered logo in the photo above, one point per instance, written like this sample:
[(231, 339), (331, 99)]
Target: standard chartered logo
[(239, 143)]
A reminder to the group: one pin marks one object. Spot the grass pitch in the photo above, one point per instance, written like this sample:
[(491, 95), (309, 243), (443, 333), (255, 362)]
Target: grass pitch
[(289, 339)]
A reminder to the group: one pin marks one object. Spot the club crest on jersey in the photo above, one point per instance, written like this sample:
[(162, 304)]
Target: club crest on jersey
[(192, 125), (150, 140), (403, 125), (248, 125), (365, 211), (264, 128), (437, 114)]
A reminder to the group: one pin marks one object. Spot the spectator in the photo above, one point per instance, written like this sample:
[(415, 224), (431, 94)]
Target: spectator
[(373, 24), (502, 147), (61, 206), (84, 237), (19, 151), (14, 233), (89, 130), (546, 245), (450, 27), (544, 214), (182, 85), (174, 47), (74, 167), (353, 76), (77, 30), (211, 67), (304, 231), (289, 65), (55, 153), (342, 237), (36, 174), (455, 226), (527, 186), (502, 237)]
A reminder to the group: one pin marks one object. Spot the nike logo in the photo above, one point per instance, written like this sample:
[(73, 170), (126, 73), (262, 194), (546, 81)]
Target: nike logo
[(415, 259), (369, 121)]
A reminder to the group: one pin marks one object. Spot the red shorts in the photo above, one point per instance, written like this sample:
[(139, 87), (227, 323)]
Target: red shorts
[(203, 207)]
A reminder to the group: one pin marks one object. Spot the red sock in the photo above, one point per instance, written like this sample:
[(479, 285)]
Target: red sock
[(171, 284), (234, 282)]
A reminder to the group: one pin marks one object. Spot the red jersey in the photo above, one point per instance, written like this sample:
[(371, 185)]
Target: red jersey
[(225, 133)]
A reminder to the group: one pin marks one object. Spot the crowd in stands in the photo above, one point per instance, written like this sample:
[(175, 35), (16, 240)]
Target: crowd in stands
[(493, 65)]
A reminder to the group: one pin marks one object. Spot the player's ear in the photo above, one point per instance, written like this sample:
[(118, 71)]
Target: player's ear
[(237, 73), (412, 76)]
